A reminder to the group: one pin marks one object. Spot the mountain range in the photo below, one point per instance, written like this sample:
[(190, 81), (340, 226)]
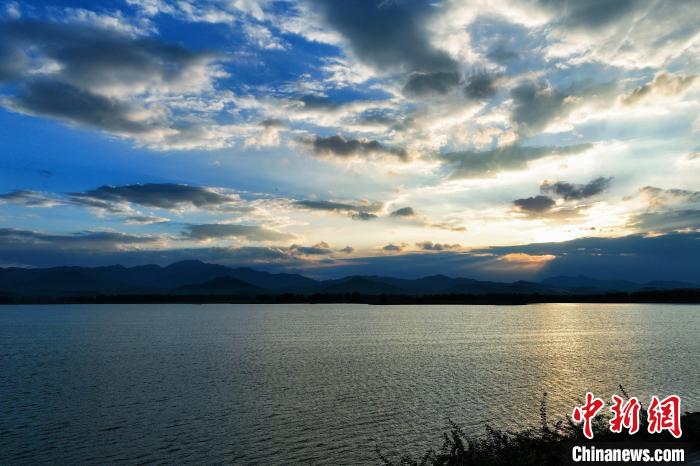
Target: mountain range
[(199, 278)]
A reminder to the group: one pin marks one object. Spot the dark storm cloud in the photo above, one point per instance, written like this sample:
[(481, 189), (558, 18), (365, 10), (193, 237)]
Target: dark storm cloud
[(65, 102), (664, 84), (404, 212), (571, 191), (387, 34), (363, 216), (440, 82), (537, 204), (87, 240), (348, 250), (338, 146), (160, 195), (480, 86), (392, 248), (472, 164), (226, 230)]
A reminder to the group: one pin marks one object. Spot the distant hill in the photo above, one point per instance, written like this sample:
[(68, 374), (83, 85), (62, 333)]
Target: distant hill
[(582, 284), (362, 285), (221, 285), (199, 278), (586, 284)]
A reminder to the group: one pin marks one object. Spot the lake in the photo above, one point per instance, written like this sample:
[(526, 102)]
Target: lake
[(315, 383)]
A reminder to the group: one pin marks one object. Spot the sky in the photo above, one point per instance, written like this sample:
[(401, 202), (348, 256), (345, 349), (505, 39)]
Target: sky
[(499, 139)]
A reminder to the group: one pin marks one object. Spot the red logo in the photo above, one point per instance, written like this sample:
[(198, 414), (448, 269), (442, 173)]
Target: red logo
[(587, 413), (625, 414), (665, 415), (662, 415)]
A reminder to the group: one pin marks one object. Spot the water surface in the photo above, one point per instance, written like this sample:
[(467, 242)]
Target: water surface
[(315, 383)]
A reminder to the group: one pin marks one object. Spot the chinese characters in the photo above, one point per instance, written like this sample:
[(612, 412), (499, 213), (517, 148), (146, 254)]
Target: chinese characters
[(662, 415)]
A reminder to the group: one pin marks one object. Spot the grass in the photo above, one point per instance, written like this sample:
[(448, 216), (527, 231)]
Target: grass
[(547, 444)]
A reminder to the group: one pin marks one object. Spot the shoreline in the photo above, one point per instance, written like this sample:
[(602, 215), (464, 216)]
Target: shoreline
[(690, 296)]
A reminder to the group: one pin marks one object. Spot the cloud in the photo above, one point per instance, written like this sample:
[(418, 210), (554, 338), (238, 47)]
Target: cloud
[(408, 214), (571, 191), (348, 250), (590, 14), (523, 258), (104, 77), (452, 225), (658, 197), (665, 221), (392, 248), (317, 102), (537, 204), (430, 246), (500, 54), (673, 256), (363, 216), (535, 105), (270, 134), (73, 105), (357, 210), (623, 33), (480, 86), (339, 206), (640, 258), (667, 210), (11, 238), (319, 249), (115, 20), (47, 255), (159, 195), (387, 35), (211, 231), (472, 164), (404, 212), (439, 82), (109, 62), (663, 84), (144, 220), (28, 198), (338, 146)]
